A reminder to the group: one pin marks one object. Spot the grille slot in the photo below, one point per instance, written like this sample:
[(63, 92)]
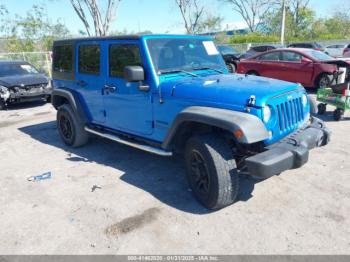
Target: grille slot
[(289, 114)]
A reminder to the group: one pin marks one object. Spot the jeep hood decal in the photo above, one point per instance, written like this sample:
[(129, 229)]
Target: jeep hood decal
[(231, 89)]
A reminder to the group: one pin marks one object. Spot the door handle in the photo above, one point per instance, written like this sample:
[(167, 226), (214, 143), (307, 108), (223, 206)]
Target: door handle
[(109, 89)]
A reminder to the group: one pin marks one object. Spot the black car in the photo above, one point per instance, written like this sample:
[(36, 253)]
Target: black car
[(259, 49), (231, 57), (20, 82), (308, 45)]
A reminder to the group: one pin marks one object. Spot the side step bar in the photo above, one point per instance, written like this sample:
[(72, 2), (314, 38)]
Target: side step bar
[(113, 137)]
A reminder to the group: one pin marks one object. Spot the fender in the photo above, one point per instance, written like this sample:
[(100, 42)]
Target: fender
[(252, 127), (56, 100)]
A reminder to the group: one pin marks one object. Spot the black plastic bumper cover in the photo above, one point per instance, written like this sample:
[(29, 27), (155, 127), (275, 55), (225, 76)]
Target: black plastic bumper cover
[(292, 152)]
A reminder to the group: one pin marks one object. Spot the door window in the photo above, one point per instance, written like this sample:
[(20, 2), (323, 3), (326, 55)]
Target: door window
[(89, 59), (291, 57), (121, 56), (274, 56)]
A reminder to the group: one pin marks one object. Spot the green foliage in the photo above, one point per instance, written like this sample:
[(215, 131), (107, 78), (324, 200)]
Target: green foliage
[(32, 32), (209, 24), (301, 25), (253, 38)]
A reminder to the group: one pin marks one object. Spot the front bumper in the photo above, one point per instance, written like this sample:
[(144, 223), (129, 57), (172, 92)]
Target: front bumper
[(292, 152), (16, 97)]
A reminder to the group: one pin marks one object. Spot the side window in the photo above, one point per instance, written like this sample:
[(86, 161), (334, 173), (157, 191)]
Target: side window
[(122, 55), (291, 57), (274, 56), (63, 59), (89, 59)]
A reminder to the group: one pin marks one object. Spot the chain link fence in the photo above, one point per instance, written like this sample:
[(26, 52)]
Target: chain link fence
[(41, 60)]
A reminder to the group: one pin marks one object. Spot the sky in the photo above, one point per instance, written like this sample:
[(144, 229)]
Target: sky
[(158, 16)]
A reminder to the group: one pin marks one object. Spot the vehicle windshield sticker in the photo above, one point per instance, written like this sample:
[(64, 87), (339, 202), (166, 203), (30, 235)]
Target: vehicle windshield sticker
[(210, 48)]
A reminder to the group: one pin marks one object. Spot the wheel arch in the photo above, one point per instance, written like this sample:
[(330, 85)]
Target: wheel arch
[(65, 96), (206, 119)]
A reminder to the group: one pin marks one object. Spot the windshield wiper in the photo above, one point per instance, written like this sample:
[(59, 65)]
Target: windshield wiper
[(208, 68), (176, 71)]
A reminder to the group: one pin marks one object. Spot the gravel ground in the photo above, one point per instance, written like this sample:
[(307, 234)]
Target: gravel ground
[(106, 198)]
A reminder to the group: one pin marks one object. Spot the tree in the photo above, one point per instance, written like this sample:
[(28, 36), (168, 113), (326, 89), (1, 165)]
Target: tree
[(34, 31), (102, 20), (298, 22), (210, 24), (191, 12), (251, 11)]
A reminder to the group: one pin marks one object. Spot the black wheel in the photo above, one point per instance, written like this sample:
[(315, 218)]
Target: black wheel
[(48, 99), (231, 67), (2, 105), (211, 171), (338, 114), (323, 81), (71, 130), (252, 73), (321, 108)]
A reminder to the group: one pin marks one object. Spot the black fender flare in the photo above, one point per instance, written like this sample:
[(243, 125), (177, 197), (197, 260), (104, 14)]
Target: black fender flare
[(56, 100), (252, 127)]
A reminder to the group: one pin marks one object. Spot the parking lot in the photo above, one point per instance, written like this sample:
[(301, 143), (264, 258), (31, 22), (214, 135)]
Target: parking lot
[(108, 198)]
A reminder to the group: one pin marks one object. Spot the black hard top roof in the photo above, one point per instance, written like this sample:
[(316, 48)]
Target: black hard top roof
[(119, 37)]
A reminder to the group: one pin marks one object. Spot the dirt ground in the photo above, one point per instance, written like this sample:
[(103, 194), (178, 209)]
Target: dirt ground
[(107, 198)]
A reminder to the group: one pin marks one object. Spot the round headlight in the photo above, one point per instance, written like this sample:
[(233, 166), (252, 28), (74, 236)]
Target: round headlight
[(304, 100), (266, 114)]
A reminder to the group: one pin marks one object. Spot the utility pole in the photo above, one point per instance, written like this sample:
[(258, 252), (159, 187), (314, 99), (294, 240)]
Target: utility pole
[(283, 27)]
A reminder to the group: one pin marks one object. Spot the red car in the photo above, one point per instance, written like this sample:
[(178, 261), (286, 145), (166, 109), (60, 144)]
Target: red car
[(309, 67)]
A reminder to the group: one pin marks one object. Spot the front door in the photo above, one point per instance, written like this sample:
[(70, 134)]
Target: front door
[(128, 108), (295, 70), (90, 78), (270, 65)]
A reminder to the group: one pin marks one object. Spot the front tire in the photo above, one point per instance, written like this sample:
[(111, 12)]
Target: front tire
[(69, 127), (2, 105), (323, 81), (211, 171)]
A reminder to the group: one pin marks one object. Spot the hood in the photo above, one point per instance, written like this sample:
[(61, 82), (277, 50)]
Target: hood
[(233, 89), (18, 80)]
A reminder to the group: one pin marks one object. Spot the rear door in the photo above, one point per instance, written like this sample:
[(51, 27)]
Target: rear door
[(90, 78), (270, 64), (294, 70), (128, 108)]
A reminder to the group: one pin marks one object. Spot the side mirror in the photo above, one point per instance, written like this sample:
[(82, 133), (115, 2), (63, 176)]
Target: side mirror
[(305, 60), (134, 73)]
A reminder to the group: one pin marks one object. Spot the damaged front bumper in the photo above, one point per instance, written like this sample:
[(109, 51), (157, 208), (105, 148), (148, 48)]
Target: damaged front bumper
[(290, 153), (28, 95)]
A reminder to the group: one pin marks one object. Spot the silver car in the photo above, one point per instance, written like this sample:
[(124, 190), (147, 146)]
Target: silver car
[(335, 50)]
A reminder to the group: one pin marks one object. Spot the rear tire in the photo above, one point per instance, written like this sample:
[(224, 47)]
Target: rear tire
[(211, 171), (338, 114), (253, 73), (321, 108), (232, 68), (69, 127)]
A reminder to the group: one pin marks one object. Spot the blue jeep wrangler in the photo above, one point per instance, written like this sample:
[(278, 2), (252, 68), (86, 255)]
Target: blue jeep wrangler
[(168, 94)]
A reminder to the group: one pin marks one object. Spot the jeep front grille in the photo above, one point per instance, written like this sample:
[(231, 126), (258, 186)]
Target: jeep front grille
[(290, 114)]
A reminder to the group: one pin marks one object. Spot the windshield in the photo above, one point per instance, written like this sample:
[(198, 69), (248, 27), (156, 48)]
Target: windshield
[(17, 69), (176, 54), (227, 50), (318, 55)]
